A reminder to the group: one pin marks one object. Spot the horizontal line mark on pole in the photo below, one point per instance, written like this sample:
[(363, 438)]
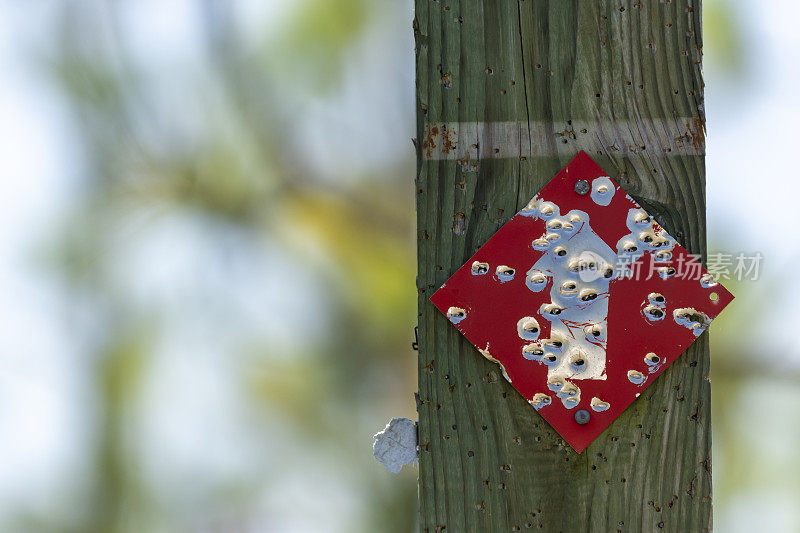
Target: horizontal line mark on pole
[(473, 141)]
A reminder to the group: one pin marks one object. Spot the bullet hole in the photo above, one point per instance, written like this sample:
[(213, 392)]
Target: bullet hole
[(587, 295), (470, 453), (484, 428), (528, 328), (597, 95), (550, 309), (554, 224), (578, 363), (574, 265), (555, 383), (599, 405), (629, 246), (653, 313), (504, 273), (594, 331), (636, 377), (569, 390), (550, 359), (479, 269), (532, 352), (456, 314), (646, 237), (707, 281), (691, 318), (489, 70), (541, 244), (501, 485), (652, 359), (663, 255), (553, 344), (666, 272), (546, 209), (560, 251), (569, 288), (656, 298), (455, 427), (713, 296)]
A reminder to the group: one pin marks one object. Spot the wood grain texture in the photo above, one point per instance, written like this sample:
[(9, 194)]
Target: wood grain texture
[(597, 75)]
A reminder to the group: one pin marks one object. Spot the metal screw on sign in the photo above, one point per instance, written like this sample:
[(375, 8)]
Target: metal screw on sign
[(582, 416), (582, 187)]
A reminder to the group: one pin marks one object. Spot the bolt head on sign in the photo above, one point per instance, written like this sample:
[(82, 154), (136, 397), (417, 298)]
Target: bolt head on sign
[(583, 299)]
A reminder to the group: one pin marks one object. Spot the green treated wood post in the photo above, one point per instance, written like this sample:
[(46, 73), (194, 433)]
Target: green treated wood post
[(507, 93)]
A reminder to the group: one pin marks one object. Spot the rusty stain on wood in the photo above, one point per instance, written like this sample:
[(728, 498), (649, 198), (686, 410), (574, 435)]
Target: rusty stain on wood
[(499, 140)]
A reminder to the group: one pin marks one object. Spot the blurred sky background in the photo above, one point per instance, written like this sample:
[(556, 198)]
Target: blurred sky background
[(207, 263)]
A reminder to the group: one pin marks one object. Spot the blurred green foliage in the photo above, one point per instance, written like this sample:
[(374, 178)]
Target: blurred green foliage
[(723, 36), (234, 168)]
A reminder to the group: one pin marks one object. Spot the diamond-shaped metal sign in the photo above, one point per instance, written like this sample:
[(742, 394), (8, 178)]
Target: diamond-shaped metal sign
[(583, 300)]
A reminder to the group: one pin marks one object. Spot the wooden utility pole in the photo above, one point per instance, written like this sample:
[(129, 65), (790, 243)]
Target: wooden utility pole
[(508, 91)]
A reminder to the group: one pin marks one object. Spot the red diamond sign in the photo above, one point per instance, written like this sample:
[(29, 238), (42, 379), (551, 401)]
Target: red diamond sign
[(582, 299)]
